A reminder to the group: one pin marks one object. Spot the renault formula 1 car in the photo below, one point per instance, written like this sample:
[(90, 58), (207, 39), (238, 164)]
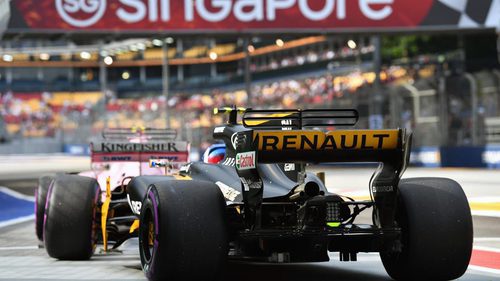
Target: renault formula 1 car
[(246, 207)]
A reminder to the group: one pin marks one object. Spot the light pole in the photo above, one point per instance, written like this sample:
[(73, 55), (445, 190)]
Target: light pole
[(248, 77), (165, 81)]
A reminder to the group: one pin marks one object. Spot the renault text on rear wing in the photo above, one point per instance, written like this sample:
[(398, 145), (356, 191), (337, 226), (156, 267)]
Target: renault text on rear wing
[(335, 146)]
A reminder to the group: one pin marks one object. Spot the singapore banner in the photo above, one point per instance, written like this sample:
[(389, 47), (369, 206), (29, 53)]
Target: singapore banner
[(252, 15)]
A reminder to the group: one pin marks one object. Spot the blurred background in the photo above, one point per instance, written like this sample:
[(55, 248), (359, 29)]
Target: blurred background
[(70, 68)]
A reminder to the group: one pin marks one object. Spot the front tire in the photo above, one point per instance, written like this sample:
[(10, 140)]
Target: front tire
[(182, 234), (70, 216), (437, 233)]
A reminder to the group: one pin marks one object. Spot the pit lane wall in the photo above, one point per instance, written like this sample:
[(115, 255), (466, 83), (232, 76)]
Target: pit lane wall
[(460, 156), (31, 146)]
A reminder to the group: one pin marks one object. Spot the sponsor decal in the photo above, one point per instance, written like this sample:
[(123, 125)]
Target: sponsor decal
[(222, 14), (116, 158), (185, 168), (335, 140), (289, 167), (228, 192), (136, 147), (248, 184), (234, 140), (383, 188), (426, 156), (155, 163), (127, 156), (219, 130), (245, 160), (229, 161), (135, 205), (168, 158), (287, 125), (81, 13), (491, 157)]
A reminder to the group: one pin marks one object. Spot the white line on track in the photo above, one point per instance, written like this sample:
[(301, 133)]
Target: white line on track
[(488, 249), (16, 221), (493, 214), (16, 194), (484, 199), (487, 239), (484, 269), (15, 248)]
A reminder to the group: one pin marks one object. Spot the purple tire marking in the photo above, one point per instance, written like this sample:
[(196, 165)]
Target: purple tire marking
[(47, 200), (93, 232), (155, 208), (36, 211), (155, 243)]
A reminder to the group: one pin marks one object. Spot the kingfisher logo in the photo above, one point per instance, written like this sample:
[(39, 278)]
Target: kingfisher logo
[(245, 160), (81, 13)]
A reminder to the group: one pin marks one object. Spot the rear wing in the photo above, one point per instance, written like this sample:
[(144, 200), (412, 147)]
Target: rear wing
[(135, 132), (120, 151), (310, 146), (298, 119)]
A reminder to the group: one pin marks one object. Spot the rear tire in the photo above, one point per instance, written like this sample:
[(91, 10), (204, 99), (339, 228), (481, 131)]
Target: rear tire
[(70, 216), (40, 200), (437, 231), (182, 235)]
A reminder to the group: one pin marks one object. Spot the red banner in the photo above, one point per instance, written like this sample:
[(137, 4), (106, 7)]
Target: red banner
[(220, 15), (252, 15)]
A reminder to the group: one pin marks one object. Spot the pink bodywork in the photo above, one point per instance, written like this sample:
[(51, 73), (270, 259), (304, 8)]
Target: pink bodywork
[(110, 164), (118, 171)]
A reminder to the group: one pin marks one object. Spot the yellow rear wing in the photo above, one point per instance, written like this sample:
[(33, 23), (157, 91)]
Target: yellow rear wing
[(335, 146)]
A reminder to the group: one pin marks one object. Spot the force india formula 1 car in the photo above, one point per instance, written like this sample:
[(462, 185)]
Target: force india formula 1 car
[(251, 207), (116, 158)]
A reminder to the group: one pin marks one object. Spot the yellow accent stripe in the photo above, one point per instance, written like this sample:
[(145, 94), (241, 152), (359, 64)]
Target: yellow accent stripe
[(260, 122), (182, 177), (360, 198), (134, 226), (104, 214), (485, 206), (228, 110), (333, 224)]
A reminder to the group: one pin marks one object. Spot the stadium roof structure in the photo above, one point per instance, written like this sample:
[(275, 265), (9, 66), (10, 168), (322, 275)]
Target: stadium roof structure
[(120, 19)]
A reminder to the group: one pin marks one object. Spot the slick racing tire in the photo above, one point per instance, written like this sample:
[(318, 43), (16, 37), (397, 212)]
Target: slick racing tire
[(182, 233), (40, 200), (437, 234), (70, 217)]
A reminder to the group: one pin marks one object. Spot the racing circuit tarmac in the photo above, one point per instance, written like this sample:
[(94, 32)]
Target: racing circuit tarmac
[(22, 259)]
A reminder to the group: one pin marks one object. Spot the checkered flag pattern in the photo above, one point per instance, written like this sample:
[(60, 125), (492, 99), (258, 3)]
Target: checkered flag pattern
[(464, 13)]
